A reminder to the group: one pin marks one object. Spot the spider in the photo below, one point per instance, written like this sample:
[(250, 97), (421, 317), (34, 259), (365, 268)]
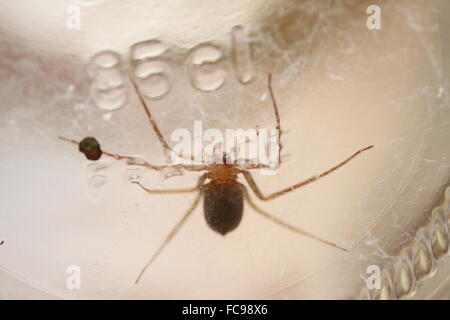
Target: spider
[(223, 195)]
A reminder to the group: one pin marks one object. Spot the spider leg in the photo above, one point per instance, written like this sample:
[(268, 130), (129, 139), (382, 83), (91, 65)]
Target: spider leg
[(187, 190), (277, 114), (250, 166), (166, 191), (138, 162), (286, 225), (152, 121), (169, 237), (249, 178)]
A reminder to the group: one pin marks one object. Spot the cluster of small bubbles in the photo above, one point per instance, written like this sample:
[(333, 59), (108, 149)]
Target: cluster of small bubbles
[(151, 69), (108, 87)]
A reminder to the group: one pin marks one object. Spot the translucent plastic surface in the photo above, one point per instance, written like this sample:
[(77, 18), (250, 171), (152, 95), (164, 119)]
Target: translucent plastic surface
[(340, 87)]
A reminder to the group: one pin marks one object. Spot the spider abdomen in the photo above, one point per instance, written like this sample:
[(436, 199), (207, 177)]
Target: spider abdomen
[(223, 205)]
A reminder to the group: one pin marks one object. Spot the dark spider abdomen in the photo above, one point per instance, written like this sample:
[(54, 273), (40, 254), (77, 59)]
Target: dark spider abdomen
[(223, 206)]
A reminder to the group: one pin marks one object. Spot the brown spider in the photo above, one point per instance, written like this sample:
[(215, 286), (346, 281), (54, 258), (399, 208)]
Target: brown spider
[(223, 195)]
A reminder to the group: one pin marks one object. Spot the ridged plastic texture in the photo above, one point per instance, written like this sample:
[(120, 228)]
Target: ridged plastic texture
[(419, 261)]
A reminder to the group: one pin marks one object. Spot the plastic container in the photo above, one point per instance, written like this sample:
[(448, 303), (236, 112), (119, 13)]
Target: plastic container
[(340, 85)]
